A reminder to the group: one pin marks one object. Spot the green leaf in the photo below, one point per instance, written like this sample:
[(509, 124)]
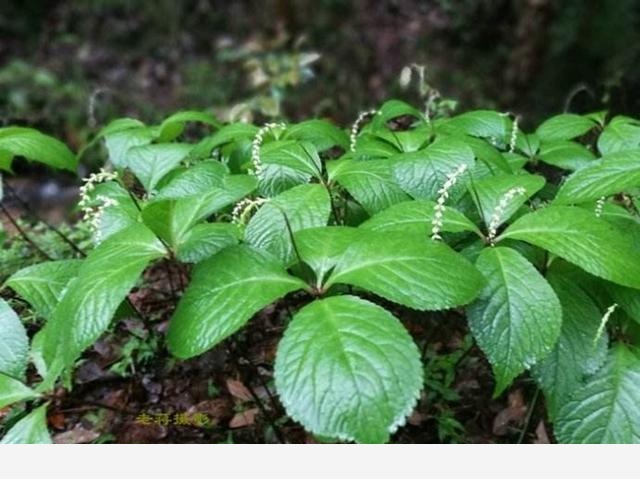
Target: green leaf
[(305, 206), (415, 217), (117, 217), (225, 292), (517, 318), (613, 174), (173, 126), (566, 154), (205, 240), (393, 109), (491, 190), (232, 133), (104, 279), (422, 173), (410, 270), (31, 429), (322, 247), (12, 391), (346, 368), (196, 180), (605, 410), (33, 145), (627, 298), (480, 123), (286, 163), (43, 284), (579, 237), (151, 162), (564, 127), (621, 134), (320, 133), (370, 182), (14, 344), (577, 353), (119, 142), (172, 219)]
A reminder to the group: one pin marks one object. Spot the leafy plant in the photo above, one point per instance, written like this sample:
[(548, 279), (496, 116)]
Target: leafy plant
[(428, 213)]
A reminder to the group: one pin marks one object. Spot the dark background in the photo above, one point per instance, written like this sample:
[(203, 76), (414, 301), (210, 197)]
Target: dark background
[(149, 58)]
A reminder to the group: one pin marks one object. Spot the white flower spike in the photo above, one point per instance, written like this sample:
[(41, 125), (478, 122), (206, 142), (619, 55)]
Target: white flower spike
[(443, 195), (498, 212)]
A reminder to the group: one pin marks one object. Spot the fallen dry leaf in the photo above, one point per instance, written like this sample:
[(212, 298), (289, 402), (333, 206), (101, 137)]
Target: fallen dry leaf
[(244, 418), (512, 415), (77, 435), (239, 390), (541, 434)]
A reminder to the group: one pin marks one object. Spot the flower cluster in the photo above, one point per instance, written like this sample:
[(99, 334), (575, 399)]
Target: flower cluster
[(243, 208), (443, 195), (92, 213), (604, 321), (257, 143), (498, 212), (356, 127), (600, 206), (514, 135)]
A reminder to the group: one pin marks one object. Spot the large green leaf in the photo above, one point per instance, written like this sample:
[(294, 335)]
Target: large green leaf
[(578, 353), (370, 182), (43, 284), (415, 217), (151, 162), (613, 174), (346, 368), (564, 127), (12, 390), (422, 173), (621, 134), (104, 279), (489, 191), (205, 240), (305, 206), (119, 216), (31, 429), (196, 180), (480, 123), (321, 248), (14, 344), (410, 270), (566, 154), (517, 318), (225, 292), (578, 236), (606, 409), (321, 133), (120, 141), (33, 145), (173, 126)]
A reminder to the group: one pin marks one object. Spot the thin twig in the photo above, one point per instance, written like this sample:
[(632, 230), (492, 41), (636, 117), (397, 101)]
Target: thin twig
[(23, 234), (532, 406)]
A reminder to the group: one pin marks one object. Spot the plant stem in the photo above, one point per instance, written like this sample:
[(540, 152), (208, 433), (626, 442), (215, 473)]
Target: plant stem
[(532, 406), (23, 234)]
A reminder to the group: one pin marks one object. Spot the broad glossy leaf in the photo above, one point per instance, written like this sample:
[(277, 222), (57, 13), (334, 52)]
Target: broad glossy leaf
[(346, 368), (579, 237), (577, 353), (43, 284), (370, 182), (14, 344), (196, 180), (613, 174), (491, 190), (35, 146), (517, 318), (119, 142), (31, 429), (173, 126), (606, 409), (422, 173), (321, 248), (415, 217), (117, 217), (564, 127), (104, 279), (627, 298), (321, 133), (305, 206), (235, 132), (205, 240), (226, 290), (393, 109), (12, 391), (621, 134), (280, 156), (151, 162), (566, 154), (410, 270), (480, 123)]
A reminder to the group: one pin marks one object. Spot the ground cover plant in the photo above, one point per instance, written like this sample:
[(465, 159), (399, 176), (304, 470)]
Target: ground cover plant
[(534, 238)]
